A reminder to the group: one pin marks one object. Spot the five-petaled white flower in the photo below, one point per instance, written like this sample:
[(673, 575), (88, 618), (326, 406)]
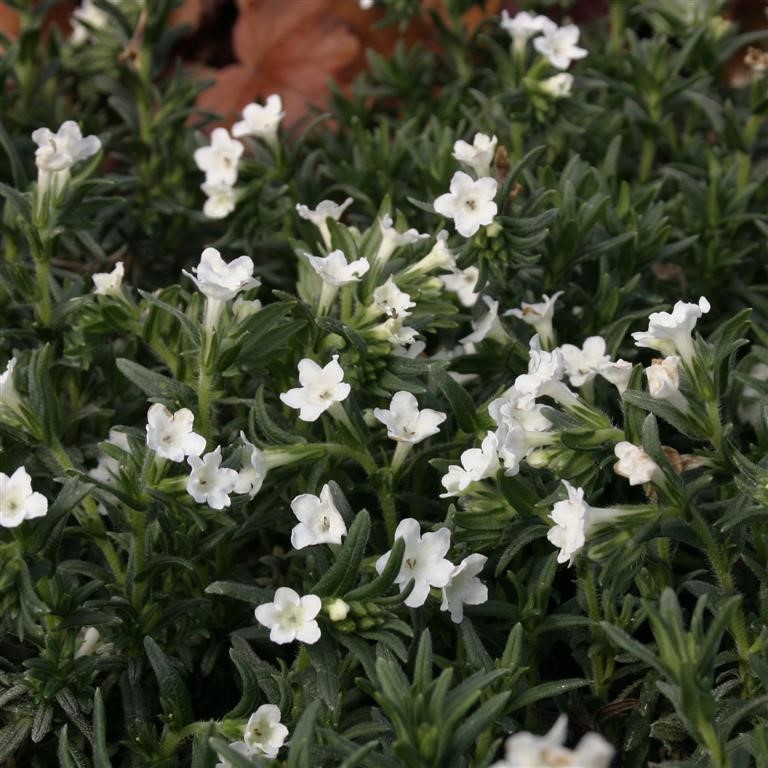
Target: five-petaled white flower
[(539, 315), (664, 381), (319, 520), (572, 521), (559, 45), (87, 18), (220, 281), (290, 617), (634, 464), (264, 733), (170, 435), (251, 476), (9, 397), (320, 388), (545, 371), (56, 154), (210, 483), (391, 239), (423, 561), (618, 373), (261, 120), (109, 283), (463, 282), (391, 300), (524, 750), (219, 160), (478, 155), (18, 501), (670, 333), (558, 86), (221, 199), (335, 270), (464, 588), (470, 203), (326, 209), (405, 422), (439, 257), (583, 364), (488, 326), (523, 26), (476, 464)]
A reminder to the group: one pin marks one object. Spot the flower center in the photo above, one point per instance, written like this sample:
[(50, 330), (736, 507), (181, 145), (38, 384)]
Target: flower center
[(470, 203), (325, 523), (410, 563)]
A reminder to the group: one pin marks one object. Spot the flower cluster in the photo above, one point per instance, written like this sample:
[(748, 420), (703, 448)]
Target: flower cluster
[(219, 160)]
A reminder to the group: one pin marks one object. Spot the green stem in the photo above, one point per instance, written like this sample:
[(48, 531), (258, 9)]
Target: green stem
[(617, 25), (646, 158), (593, 609)]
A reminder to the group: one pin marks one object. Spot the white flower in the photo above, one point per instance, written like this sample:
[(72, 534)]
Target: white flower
[(241, 748), (618, 373), (405, 422), (545, 371), (18, 501), (170, 435), (539, 315), (57, 153), (462, 282), (558, 86), (464, 588), (261, 121), (221, 199), (326, 209), (517, 408), (88, 642), (634, 464), (470, 203), (439, 257), (220, 281), (423, 561), (219, 160), (320, 389), (208, 482), (476, 464), (559, 45), (251, 476), (392, 239), (319, 520), (107, 468), (391, 300), (664, 381), (524, 750), (335, 270), (522, 26), (291, 617), (582, 365), (366, 5), (9, 397), (264, 733), (393, 331), (109, 283), (572, 520), (86, 18), (671, 333), (487, 326), (244, 308), (478, 155)]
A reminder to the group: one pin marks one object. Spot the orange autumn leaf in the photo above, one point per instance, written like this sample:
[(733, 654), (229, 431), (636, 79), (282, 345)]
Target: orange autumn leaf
[(289, 48)]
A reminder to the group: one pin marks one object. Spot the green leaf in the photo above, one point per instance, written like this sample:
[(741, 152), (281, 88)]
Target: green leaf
[(300, 752), (468, 732), (174, 698), (638, 650), (325, 663), (460, 400), (188, 325), (345, 571), (385, 579), (157, 386), (248, 593), (18, 201), (255, 674), (100, 752), (547, 691), (17, 167)]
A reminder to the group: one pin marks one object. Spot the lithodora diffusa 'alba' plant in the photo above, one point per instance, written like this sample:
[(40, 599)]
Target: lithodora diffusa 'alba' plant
[(433, 434)]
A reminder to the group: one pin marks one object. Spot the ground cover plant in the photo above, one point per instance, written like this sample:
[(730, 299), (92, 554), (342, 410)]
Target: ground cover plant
[(429, 431)]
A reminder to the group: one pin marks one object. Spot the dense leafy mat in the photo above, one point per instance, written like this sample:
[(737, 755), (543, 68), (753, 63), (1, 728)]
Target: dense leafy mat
[(472, 437)]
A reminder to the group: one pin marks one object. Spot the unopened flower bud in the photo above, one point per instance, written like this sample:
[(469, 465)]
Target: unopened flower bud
[(337, 609)]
